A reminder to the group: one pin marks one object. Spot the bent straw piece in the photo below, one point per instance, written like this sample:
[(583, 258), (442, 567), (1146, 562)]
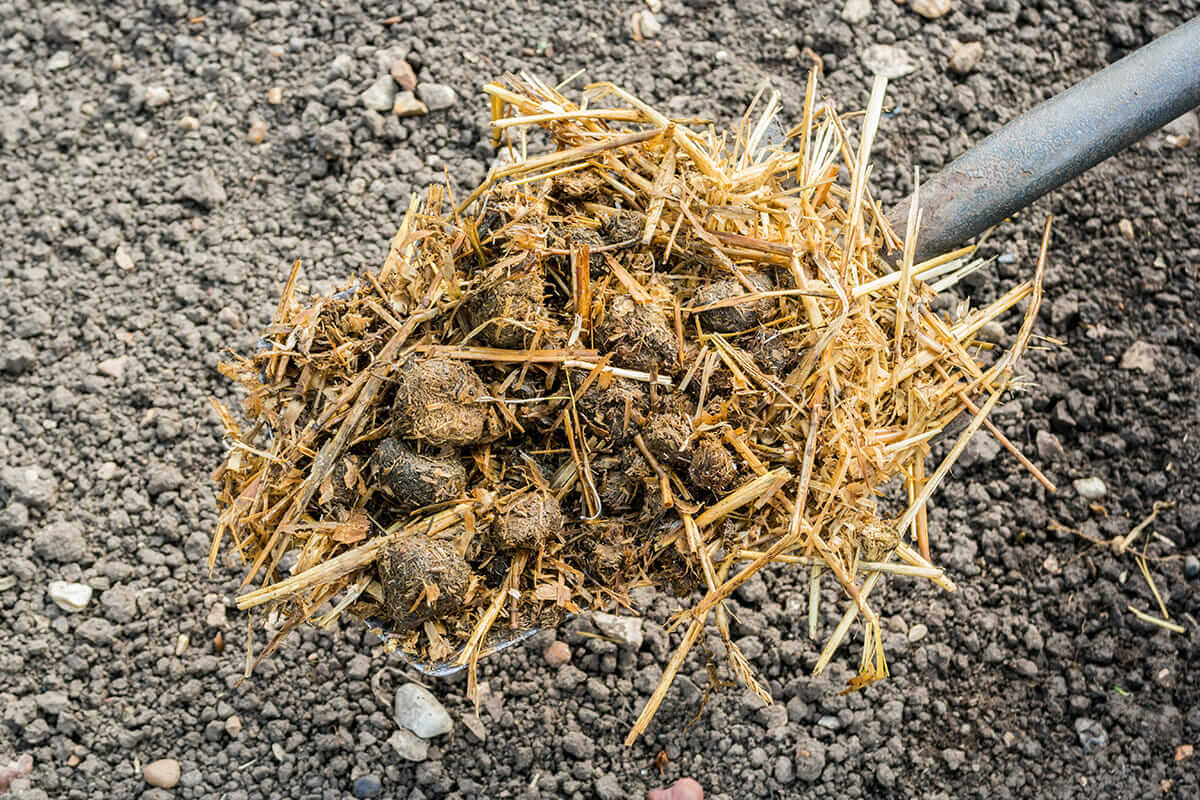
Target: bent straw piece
[(664, 685), (1007, 363), (759, 490)]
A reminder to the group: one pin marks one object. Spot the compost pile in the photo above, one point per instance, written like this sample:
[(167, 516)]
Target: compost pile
[(654, 355)]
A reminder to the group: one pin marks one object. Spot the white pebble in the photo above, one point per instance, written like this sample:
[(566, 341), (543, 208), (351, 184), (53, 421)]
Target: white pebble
[(420, 712), (72, 597), (157, 96), (1091, 488)]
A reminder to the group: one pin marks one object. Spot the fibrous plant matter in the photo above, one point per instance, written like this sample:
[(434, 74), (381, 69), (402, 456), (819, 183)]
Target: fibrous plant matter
[(656, 355)]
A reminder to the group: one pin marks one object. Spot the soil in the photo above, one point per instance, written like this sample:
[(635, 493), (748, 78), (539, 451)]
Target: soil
[(144, 232)]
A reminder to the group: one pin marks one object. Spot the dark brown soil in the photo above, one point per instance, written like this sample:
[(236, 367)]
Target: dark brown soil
[(1032, 680)]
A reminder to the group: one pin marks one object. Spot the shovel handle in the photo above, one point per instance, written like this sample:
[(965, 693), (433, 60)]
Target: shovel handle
[(1057, 140)]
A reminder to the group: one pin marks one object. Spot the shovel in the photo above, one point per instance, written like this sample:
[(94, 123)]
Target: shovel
[(1057, 140)]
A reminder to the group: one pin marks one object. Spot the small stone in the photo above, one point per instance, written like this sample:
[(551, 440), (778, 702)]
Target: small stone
[(437, 96), (1184, 752), (650, 25), (810, 759), (113, 367), (626, 630), (1125, 227), (163, 773), (380, 95), (217, 616), (402, 73), (408, 106), (30, 486), (917, 632), (1049, 448), (1025, 668), (367, 786), (419, 711), (556, 654), (18, 357), (1090, 488), (189, 123), (1091, 734), (474, 726), (257, 132), (578, 745), (954, 758), (609, 788), (157, 96), (359, 667), (122, 257), (203, 188), (342, 66), (13, 518), (275, 95), (164, 478), (1183, 130), (61, 542), (60, 60), (408, 745), (856, 11), (1141, 356), (965, 57), (1191, 567), (70, 597), (931, 9), (53, 703), (233, 726), (887, 60)]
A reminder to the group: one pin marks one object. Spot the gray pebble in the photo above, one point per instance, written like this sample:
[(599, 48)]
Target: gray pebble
[(418, 710), (609, 788), (380, 95), (32, 486), (18, 357), (810, 759), (408, 745), (163, 478), (119, 604), (96, 631), (203, 188), (14, 517), (578, 745), (1090, 488), (436, 96), (60, 60), (1091, 734), (62, 542), (954, 758)]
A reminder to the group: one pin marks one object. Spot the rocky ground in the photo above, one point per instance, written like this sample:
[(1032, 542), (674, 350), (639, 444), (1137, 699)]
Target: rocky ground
[(162, 164)]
